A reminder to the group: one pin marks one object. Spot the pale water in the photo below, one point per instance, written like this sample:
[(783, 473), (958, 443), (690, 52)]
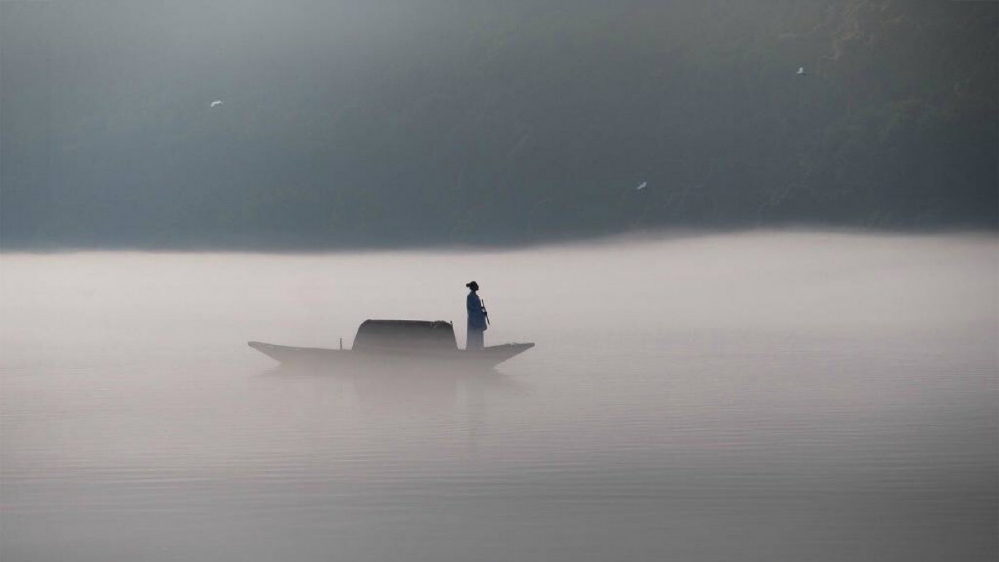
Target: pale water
[(743, 397)]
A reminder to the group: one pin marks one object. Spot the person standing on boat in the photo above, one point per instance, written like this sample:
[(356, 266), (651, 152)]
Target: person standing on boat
[(476, 317)]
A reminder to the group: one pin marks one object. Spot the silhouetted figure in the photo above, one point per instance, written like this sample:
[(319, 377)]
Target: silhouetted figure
[(476, 317)]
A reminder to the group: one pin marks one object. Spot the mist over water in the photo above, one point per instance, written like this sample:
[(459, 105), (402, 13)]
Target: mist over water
[(765, 396)]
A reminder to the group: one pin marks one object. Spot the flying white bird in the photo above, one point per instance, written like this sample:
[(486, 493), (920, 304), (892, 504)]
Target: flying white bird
[(801, 71), (214, 103), (641, 186)]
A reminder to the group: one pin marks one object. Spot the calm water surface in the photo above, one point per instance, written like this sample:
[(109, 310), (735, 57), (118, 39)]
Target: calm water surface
[(755, 397)]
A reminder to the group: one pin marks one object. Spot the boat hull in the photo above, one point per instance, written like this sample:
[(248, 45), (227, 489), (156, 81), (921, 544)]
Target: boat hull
[(485, 358)]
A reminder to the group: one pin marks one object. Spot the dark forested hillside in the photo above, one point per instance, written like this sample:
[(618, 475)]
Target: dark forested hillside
[(401, 123)]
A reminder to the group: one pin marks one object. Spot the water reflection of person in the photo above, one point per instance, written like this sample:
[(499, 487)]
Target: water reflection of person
[(476, 317)]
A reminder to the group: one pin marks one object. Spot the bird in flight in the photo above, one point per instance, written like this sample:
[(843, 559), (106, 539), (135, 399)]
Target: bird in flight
[(215, 103), (641, 186)]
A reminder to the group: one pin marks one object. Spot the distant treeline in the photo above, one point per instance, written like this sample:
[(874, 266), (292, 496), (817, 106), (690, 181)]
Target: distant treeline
[(391, 124)]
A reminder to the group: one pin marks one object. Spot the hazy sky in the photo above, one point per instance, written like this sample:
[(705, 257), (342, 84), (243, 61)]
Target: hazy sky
[(383, 123)]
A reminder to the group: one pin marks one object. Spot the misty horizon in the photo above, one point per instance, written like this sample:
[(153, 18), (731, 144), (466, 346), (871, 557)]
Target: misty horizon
[(637, 238)]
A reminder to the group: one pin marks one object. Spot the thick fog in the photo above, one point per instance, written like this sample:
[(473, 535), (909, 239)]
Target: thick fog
[(629, 290), (769, 397), (361, 124)]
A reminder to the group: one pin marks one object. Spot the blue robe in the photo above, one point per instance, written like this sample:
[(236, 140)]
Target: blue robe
[(476, 321)]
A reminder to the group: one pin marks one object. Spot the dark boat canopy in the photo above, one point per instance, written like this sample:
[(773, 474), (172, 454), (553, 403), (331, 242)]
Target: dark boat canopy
[(405, 334)]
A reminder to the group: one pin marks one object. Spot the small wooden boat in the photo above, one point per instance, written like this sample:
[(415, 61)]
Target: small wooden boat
[(396, 341)]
